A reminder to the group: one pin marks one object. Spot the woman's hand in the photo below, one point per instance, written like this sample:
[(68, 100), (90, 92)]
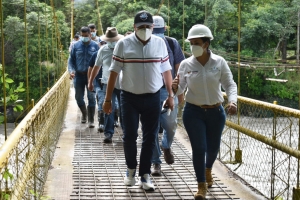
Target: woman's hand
[(232, 108)]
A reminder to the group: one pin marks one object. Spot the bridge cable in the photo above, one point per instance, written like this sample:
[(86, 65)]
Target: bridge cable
[(169, 18), (3, 72), (26, 54), (99, 19), (182, 25), (47, 50), (39, 47), (159, 7)]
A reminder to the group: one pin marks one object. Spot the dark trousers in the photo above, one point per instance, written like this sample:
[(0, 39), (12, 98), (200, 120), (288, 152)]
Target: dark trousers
[(145, 107), (118, 93)]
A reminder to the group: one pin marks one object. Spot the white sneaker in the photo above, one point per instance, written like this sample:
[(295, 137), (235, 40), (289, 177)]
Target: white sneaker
[(146, 183), (91, 125), (129, 179)]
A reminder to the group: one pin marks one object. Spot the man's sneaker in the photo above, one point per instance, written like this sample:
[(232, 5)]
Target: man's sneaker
[(146, 183), (156, 170), (168, 155), (91, 125), (101, 128), (108, 138), (129, 179)]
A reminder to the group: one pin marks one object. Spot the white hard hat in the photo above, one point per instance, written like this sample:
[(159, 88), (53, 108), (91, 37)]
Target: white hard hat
[(199, 31), (158, 22)]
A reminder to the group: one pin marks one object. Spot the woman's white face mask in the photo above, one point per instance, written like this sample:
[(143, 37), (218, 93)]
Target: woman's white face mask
[(144, 33), (197, 50)]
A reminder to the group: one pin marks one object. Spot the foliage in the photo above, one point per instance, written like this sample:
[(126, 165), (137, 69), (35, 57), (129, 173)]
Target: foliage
[(6, 176), (44, 37), (264, 24), (12, 93)]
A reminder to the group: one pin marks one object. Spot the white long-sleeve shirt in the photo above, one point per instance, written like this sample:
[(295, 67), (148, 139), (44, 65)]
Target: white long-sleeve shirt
[(204, 82)]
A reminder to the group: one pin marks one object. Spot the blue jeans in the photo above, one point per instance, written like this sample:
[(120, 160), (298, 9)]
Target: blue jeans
[(100, 95), (169, 124), (146, 108), (109, 127), (80, 84), (204, 127)]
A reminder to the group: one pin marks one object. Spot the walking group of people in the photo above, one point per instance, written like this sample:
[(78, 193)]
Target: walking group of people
[(147, 71)]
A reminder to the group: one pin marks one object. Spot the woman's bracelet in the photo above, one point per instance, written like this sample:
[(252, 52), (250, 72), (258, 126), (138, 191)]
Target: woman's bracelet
[(234, 104), (106, 101)]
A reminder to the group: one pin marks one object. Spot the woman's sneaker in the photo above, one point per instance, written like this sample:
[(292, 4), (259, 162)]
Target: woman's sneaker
[(129, 179), (146, 183)]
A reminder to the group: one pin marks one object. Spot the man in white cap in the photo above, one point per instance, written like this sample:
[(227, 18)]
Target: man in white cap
[(104, 58), (142, 58), (168, 122)]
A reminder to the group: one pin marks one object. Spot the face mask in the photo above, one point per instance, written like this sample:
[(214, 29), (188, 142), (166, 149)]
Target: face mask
[(162, 35), (197, 50), (85, 39), (111, 44), (93, 34), (144, 33)]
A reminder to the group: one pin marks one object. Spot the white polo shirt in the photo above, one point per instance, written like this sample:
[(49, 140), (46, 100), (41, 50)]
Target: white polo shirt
[(104, 58), (204, 82), (141, 65)]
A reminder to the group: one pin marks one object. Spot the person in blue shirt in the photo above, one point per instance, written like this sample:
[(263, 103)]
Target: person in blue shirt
[(168, 122), (78, 65)]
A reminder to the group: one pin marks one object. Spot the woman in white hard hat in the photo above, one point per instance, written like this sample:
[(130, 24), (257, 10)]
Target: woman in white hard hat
[(203, 74)]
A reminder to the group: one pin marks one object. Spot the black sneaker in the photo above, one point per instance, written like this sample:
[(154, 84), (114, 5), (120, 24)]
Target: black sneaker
[(156, 170), (108, 138)]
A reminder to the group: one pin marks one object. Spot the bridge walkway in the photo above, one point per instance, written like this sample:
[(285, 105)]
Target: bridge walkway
[(86, 168)]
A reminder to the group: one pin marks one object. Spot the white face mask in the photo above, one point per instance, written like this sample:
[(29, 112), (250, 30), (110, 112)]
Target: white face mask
[(144, 33), (111, 44), (196, 50), (93, 34)]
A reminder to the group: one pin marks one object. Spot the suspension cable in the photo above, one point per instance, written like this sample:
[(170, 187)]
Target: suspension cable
[(168, 17), (160, 5), (26, 54), (39, 47), (47, 51), (72, 20), (3, 71), (182, 25), (99, 19)]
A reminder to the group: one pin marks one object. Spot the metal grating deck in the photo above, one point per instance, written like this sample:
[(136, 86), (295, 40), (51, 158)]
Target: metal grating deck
[(99, 169)]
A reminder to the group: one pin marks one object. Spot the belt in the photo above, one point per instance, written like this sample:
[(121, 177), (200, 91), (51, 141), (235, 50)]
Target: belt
[(211, 106)]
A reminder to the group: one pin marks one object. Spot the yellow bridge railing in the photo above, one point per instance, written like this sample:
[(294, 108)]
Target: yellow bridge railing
[(26, 155), (262, 146)]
